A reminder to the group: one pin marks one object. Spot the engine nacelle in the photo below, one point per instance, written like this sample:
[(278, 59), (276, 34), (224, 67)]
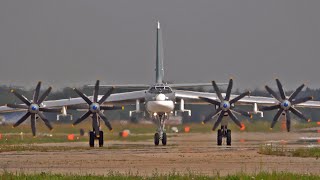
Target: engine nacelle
[(138, 110), (182, 109), (256, 110), (64, 116)]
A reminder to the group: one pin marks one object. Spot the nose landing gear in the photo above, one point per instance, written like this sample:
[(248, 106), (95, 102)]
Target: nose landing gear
[(224, 132), (160, 134)]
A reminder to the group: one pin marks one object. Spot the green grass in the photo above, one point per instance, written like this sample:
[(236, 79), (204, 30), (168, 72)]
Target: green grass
[(157, 176), (281, 150)]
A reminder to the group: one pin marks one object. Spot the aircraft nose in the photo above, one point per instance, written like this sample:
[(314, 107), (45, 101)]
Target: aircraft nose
[(161, 97)]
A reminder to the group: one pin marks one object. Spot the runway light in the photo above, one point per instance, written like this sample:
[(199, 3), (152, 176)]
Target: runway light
[(186, 129), (243, 127), (70, 137)]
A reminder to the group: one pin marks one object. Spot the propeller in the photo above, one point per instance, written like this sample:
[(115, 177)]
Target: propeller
[(225, 105), (33, 108), (95, 108), (286, 104)]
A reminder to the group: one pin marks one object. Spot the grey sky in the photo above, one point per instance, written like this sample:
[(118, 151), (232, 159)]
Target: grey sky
[(73, 42)]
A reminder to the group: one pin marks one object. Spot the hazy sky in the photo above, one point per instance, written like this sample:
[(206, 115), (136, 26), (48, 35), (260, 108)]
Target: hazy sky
[(73, 42)]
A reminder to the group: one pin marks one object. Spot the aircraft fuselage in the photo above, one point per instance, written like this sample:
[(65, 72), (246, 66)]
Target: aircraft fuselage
[(159, 99)]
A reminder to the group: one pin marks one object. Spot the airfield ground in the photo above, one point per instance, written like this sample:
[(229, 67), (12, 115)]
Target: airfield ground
[(185, 153)]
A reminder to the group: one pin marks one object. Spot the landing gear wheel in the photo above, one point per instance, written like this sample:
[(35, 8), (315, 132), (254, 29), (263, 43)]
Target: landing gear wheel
[(219, 137), (100, 138), (91, 139), (228, 137), (156, 139), (164, 139)]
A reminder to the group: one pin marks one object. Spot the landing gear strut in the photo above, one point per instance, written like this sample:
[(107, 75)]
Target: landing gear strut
[(224, 132), (160, 134)]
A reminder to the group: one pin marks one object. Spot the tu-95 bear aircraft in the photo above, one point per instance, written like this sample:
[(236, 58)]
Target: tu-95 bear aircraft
[(162, 100)]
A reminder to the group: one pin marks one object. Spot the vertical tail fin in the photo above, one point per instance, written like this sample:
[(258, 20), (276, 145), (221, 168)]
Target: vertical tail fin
[(159, 58)]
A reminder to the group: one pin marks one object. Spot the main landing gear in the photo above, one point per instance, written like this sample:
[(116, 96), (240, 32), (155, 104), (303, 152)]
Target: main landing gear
[(160, 135), (96, 133), (93, 136), (224, 132)]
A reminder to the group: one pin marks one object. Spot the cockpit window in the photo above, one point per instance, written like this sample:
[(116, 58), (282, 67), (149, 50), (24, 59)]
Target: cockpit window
[(160, 89)]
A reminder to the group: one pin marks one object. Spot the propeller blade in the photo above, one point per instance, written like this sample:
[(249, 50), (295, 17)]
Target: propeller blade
[(302, 100), (18, 106), (83, 117), (211, 101), (296, 92), (84, 97), (275, 95), (216, 124), (217, 90), (33, 124), (288, 120), (49, 110), (276, 117), (23, 118), (36, 92), (281, 91), (111, 107), (106, 121), (45, 120), (106, 95), (298, 113), (44, 95), (228, 93), (269, 108), (96, 91), (95, 124), (211, 115), (236, 99), (21, 97), (243, 113), (234, 118)]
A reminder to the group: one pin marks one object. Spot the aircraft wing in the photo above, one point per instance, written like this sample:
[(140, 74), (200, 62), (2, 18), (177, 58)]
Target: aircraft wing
[(125, 98), (125, 86), (190, 85), (192, 97)]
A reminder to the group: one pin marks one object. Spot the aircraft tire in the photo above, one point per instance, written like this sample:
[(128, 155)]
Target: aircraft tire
[(91, 139), (164, 139), (100, 138), (219, 138), (228, 137), (156, 139)]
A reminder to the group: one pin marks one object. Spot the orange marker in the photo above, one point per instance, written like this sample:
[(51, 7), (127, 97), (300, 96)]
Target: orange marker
[(125, 134), (186, 129), (71, 137), (243, 127)]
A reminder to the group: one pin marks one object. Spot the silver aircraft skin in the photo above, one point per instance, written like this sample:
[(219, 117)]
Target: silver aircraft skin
[(162, 100)]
